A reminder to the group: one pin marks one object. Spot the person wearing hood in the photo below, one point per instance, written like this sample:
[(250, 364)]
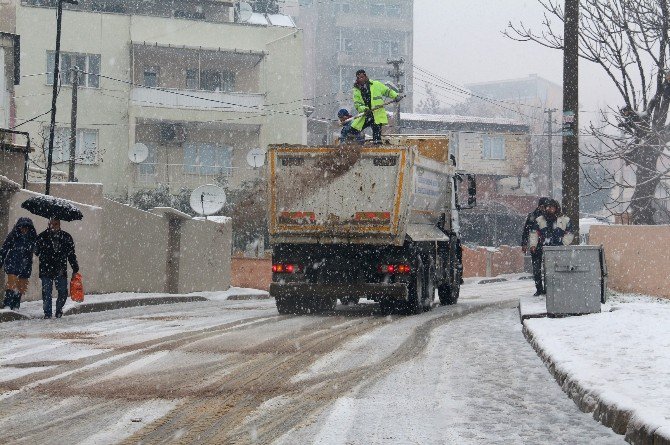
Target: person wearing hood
[(55, 248), (536, 257), (552, 228), (16, 258)]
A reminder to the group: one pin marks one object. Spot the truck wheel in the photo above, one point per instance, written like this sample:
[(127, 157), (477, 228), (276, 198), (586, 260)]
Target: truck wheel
[(429, 286), (416, 289), (387, 307)]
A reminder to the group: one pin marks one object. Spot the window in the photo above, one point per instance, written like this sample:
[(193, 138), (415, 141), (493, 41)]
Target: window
[(88, 64), (207, 159), (393, 10), (147, 169), (385, 47), (150, 77), (86, 149), (210, 80), (228, 81), (493, 147), (191, 79), (347, 45), (378, 9)]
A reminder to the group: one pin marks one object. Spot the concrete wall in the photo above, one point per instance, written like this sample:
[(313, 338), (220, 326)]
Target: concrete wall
[(12, 165), (637, 257), (488, 262), (204, 261), (123, 249), (135, 249), (255, 273)]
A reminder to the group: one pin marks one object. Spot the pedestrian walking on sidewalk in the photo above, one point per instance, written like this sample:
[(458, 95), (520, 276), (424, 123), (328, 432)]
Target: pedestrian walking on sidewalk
[(536, 257), (16, 258), (368, 98), (552, 228), (55, 248)]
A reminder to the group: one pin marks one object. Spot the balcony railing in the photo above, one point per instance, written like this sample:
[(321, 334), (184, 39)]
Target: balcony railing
[(200, 100)]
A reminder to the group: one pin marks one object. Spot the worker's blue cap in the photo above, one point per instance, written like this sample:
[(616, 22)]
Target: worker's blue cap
[(343, 112)]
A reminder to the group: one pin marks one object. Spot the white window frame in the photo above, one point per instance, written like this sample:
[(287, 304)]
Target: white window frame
[(493, 147), (85, 80), (61, 152)]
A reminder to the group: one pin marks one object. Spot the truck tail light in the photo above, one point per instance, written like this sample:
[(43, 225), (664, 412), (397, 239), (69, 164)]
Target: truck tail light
[(394, 269), (286, 268)]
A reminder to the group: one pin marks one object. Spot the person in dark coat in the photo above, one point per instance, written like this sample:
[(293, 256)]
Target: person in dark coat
[(16, 258), (536, 258), (552, 228), (55, 248)]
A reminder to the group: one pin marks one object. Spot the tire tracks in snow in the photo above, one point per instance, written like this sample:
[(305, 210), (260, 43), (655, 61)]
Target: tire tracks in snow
[(233, 416)]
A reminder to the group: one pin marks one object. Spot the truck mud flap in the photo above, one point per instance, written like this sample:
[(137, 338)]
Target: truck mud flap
[(394, 291)]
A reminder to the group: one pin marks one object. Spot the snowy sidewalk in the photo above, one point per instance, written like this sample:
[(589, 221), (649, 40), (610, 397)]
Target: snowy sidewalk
[(615, 364), (120, 300)]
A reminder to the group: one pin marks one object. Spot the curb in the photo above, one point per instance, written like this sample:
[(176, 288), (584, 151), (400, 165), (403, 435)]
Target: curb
[(123, 304), (12, 316), (249, 297), (621, 421)]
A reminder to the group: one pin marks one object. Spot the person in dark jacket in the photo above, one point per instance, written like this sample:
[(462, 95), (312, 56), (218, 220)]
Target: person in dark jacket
[(536, 258), (55, 248), (552, 228), (16, 258)]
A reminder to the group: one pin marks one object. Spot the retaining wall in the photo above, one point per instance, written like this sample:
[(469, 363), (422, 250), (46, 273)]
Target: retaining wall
[(638, 257), (123, 249)]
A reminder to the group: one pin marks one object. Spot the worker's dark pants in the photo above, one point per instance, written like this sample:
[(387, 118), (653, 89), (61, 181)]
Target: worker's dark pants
[(537, 270), (376, 129)]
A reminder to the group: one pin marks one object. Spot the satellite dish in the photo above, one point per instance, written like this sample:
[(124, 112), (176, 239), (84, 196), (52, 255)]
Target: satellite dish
[(244, 11), (207, 199), (138, 153), (256, 157)]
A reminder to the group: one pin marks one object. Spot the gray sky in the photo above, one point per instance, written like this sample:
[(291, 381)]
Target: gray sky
[(461, 40)]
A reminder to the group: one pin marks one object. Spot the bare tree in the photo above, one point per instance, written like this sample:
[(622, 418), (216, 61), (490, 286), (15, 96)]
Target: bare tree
[(628, 39), (430, 104)]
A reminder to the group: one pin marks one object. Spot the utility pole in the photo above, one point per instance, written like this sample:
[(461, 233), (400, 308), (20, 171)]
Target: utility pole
[(550, 131), (396, 74), (54, 93), (571, 114), (73, 124)]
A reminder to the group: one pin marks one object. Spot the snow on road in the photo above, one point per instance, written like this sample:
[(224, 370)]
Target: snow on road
[(234, 371), (478, 382)]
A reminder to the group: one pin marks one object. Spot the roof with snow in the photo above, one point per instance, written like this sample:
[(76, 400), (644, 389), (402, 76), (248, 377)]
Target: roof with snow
[(452, 122)]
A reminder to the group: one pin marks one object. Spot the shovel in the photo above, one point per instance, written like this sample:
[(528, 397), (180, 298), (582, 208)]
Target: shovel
[(400, 97)]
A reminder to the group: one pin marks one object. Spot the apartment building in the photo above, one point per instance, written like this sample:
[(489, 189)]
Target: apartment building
[(527, 99), (343, 36), (187, 79)]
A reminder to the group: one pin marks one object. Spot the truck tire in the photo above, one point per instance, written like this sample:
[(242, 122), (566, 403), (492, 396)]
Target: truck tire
[(449, 293), (429, 286), (416, 289)]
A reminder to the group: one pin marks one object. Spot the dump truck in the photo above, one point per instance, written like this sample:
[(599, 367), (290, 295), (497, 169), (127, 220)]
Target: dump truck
[(377, 222)]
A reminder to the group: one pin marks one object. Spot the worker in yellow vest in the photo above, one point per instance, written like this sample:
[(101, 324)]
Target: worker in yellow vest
[(369, 99)]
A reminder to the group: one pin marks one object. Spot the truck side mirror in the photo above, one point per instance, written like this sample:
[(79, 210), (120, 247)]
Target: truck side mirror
[(472, 190)]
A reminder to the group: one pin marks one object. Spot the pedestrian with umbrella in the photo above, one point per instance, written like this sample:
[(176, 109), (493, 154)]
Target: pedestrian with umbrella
[(16, 258), (54, 248)]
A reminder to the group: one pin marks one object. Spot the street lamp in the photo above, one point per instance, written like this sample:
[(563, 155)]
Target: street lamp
[(54, 94)]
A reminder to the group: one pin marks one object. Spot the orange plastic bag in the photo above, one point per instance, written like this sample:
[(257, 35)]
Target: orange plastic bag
[(77, 288)]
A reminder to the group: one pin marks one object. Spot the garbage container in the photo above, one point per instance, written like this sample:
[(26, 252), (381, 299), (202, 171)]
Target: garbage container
[(575, 279)]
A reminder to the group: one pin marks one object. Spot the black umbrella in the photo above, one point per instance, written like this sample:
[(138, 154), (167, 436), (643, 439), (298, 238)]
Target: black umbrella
[(52, 208)]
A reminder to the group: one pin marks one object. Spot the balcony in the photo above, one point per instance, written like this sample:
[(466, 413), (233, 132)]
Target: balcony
[(198, 100)]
